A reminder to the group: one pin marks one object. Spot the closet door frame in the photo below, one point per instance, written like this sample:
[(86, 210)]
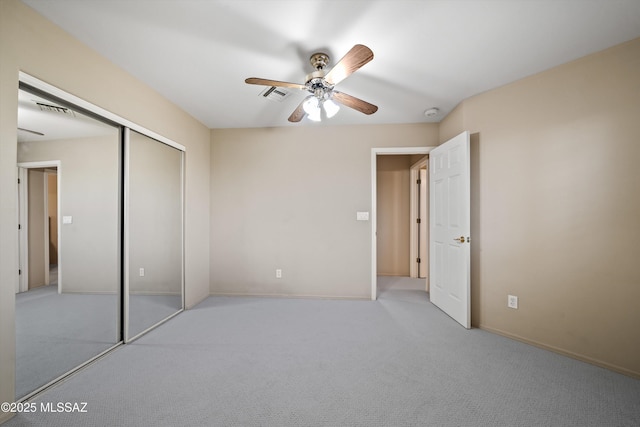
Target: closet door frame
[(33, 82)]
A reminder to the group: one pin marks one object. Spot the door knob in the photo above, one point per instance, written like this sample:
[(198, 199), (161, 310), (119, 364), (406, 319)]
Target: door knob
[(459, 239)]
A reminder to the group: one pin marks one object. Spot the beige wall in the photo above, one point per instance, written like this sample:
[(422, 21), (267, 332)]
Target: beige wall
[(36, 229), (393, 200), (287, 198), (34, 45), (555, 208), (89, 172)]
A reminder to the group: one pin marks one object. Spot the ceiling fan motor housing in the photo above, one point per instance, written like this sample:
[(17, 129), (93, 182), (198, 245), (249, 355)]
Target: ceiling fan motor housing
[(319, 87), (319, 60)]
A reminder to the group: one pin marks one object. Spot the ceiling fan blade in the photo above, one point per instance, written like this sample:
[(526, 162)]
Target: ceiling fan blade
[(355, 103), (354, 59), (266, 82), (298, 113)]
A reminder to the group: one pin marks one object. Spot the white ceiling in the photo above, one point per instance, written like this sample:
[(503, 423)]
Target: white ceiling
[(428, 53)]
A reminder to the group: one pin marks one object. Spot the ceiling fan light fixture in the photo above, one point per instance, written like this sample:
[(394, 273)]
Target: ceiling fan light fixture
[(315, 116), (330, 107), (312, 107)]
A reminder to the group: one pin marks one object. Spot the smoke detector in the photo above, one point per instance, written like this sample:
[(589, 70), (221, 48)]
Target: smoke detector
[(432, 112)]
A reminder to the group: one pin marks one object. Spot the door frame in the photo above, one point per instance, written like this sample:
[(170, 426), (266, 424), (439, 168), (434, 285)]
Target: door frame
[(23, 257), (47, 225), (22, 186), (414, 208), (375, 152)]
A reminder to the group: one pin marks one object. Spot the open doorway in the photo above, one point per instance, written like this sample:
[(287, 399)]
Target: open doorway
[(392, 213), (39, 239)]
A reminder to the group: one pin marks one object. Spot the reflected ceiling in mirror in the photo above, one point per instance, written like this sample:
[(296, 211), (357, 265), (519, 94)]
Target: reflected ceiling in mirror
[(41, 119)]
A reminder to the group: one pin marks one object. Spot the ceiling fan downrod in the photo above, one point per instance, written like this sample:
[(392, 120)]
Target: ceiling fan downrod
[(315, 80), (319, 60)]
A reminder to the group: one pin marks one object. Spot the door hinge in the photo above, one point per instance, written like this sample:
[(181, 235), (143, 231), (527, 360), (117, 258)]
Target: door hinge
[(18, 180), (418, 260), (419, 181), (419, 221), (19, 272), (19, 227)]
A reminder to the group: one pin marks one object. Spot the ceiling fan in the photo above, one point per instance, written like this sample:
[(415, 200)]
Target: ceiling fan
[(320, 84)]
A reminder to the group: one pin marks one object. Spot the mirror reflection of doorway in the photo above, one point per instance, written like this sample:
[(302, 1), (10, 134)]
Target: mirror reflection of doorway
[(38, 226), (52, 225)]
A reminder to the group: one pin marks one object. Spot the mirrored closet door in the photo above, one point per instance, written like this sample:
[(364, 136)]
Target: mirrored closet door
[(154, 230), (101, 252), (67, 303)]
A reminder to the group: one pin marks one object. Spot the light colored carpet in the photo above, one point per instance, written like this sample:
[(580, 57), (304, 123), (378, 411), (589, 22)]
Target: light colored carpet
[(57, 332), (398, 361), (147, 310)]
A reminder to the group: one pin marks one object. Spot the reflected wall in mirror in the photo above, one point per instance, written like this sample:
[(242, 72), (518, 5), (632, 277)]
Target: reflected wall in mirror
[(67, 307), (155, 232)]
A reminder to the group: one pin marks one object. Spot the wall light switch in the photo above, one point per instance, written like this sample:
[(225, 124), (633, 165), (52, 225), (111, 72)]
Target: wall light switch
[(67, 219), (362, 216)]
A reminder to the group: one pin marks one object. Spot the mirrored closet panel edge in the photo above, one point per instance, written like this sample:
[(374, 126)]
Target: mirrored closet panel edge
[(70, 202), (154, 267)]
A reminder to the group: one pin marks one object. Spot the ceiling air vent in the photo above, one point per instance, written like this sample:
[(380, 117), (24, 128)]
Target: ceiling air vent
[(55, 109), (275, 93)]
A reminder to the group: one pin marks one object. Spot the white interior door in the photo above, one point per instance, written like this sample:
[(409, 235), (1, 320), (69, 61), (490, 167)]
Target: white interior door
[(449, 224)]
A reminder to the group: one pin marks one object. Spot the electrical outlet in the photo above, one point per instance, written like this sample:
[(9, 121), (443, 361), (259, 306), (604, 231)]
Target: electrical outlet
[(278, 273), (512, 301), (141, 272)]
